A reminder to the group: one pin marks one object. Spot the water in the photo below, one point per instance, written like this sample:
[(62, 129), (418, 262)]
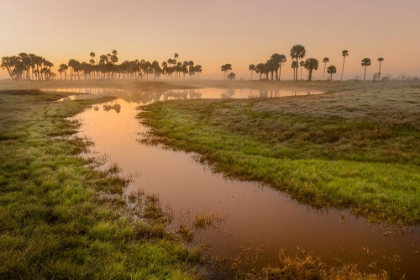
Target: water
[(255, 215), (161, 95)]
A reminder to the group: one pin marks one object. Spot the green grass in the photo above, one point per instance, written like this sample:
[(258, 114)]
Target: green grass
[(352, 150), (60, 219)]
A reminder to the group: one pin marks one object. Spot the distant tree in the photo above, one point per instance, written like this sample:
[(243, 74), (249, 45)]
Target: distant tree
[(9, 62), (92, 54), (198, 69), (296, 52), (76, 67), (295, 67), (302, 65), (226, 68), (344, 53), (260, 69), (272, 66), (231, 76), (277, 60), (114, 60), (325, 61), (92, 60), (252, 69), (380, 65), (282, 60), (311, 64), (365, 63), (331, 70)]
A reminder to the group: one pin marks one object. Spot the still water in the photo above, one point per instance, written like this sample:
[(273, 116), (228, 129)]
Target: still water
[(255, 215)]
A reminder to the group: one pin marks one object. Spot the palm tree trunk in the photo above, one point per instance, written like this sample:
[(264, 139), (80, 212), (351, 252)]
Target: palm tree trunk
[(342, 71), (379, 74), (364, 78), (310, 74), (280, 73), (323, 77)]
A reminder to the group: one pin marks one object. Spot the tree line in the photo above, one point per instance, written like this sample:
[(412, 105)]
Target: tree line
[(274, 65), (33, 67), (27, 67)]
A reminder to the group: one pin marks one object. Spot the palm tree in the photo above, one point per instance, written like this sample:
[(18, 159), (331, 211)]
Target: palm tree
[(365, 63), (344, 54), (271, 67), (231, 76), (380, 64), (295, 67), (311, 64), (92, 54), (252, 69), (226, 68), (260, 69), (331, 70), (277, 60), (282, 59), (198, 69), (301, 64), (63, 68), (296, 52), (325, 61)]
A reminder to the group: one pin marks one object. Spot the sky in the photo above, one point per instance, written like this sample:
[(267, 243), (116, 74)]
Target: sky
[(213, 33)]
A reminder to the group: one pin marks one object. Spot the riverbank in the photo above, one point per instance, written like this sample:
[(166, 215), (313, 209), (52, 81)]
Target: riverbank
[(352, 148), (59, 217)]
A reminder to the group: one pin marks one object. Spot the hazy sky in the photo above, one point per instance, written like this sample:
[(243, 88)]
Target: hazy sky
[(212, 33)]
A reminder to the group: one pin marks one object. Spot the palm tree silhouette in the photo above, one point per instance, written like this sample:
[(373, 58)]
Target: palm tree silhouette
[(231, 76), (252, 69), (325, 61), (295, 67), (226, 68), (311, 64), (301, 64), (344, 54), (278, 60), (282, 60), (296, 52), (365, 63), (331, 70), (380, 64), (198, 69)]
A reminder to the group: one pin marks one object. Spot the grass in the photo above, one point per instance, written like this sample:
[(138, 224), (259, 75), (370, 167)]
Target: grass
[(354, 149), (301, 265), (62, 219)]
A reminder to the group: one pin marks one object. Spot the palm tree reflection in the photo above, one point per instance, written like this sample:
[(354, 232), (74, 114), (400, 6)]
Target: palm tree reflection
[(227, 94), (109, 107)]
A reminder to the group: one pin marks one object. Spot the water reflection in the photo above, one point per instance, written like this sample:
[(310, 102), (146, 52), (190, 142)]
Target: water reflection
[(148, 96), (254, 214), (107, 107)]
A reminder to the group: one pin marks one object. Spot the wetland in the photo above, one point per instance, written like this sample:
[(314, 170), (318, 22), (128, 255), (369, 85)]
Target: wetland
[(320, 168)]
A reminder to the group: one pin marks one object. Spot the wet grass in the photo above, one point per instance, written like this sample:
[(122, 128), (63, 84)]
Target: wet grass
[(300, 265), (62, 219), (356, 149)]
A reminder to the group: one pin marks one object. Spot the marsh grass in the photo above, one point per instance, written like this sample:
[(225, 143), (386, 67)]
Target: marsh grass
[(355, 149), (59, 217), (299, 265)]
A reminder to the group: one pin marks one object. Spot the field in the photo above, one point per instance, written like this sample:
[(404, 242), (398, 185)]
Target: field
[(354, 147), (59, 218)]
